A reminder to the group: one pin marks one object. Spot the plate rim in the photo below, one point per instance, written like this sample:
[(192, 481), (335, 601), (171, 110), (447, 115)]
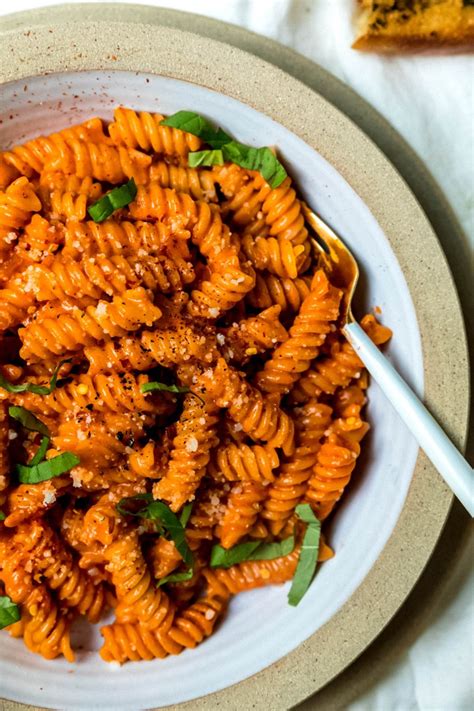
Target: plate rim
[(426, 485)]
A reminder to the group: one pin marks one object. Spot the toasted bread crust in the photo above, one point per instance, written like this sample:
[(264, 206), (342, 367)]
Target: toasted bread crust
[(391, 25)]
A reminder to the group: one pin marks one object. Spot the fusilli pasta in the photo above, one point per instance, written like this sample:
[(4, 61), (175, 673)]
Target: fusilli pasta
[(174, 385)]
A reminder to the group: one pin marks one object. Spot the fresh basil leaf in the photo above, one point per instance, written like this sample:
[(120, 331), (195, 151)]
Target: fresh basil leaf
[(32, 387), (308, 557), (28, 420), (225, 557), (277, 549), (41, 451), (197, 125), (9, 612), (153, 385), (260, 159), (176, 577), (47, 469), (114, 200), (185, 514), (205, 158), (161, 513), (123, 506), (252, 550), (2, 516)]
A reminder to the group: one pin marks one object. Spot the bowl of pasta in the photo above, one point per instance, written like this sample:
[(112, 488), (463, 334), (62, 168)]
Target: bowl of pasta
[(196, 475)]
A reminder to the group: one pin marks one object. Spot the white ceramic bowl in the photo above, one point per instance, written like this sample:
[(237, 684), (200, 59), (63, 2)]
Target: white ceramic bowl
[(260, 627)]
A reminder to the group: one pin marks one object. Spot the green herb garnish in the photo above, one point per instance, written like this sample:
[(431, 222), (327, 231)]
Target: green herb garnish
[(40, 453), (252, 550), (28, 420), (213, 157), (197, 125), (2, 516), (260, 159), (226, 149), (161, 514), (48, 469), (176, 577), (32, 387), (185, 514), (153, 385), (138, 502), (9, 612), (308, 557), (115, 199), (186, 574)]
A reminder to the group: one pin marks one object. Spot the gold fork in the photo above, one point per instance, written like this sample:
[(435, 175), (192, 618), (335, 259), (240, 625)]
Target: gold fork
[(343, 271)]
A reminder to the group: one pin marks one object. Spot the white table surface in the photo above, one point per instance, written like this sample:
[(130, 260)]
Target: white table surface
[(428, 99)]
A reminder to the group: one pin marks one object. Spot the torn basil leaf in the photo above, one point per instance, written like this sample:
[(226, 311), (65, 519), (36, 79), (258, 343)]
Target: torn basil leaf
[(47, 469), (252, 550), (9, 612), (28, 419), (114, 200), (197, 125), (308, 557), (205, 158)]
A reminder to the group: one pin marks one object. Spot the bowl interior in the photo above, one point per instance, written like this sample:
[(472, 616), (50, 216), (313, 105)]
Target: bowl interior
[(366, 519)]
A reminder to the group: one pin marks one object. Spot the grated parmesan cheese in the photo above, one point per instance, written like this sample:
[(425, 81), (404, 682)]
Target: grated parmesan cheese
[(192, 444), (49, 498), (101, 308), (76, 479)]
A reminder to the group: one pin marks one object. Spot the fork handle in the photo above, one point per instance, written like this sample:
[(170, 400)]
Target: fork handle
[(452, 466)]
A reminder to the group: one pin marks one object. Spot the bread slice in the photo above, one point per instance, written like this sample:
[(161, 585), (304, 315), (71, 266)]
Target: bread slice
[(387, 25)]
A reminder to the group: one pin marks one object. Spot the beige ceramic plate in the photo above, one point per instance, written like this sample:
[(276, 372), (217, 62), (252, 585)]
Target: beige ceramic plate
[(115, 39)]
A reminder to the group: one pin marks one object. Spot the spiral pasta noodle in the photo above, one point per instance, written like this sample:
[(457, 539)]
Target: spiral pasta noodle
[(130, 642), (110, 393), (243, 506), (286, 293), (164, 558), (139, 600), (308, 332), (279, 257), (195, 436), (243, 462), (142, 130), (259, 416), (111, 238), (59, 330), (17, 204), (52, 561), (335, 463), (45, 627), (253, 335), (174, 384), (340, 367), (200, 184), (250, 575), (291, 484), (100, 161), (67, 196)]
